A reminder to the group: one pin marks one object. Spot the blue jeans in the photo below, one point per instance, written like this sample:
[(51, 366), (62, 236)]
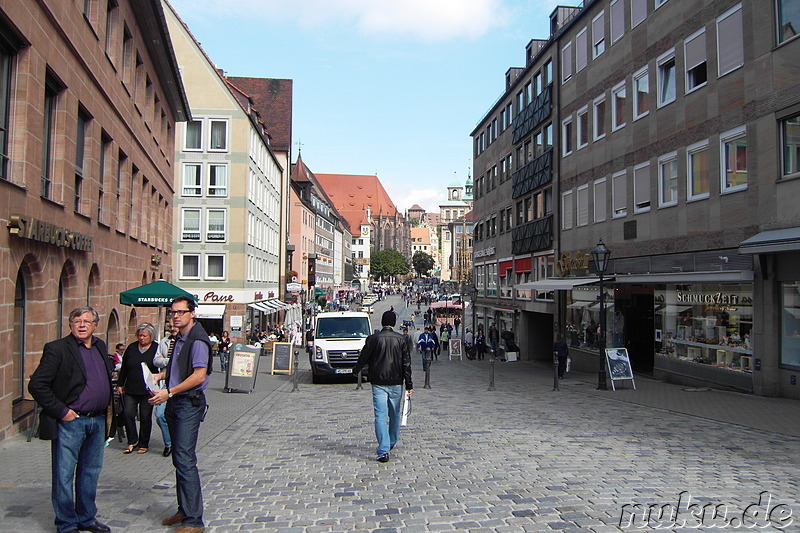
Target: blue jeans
[(184, 420), (386, 398), (77, 454), (161, 420)]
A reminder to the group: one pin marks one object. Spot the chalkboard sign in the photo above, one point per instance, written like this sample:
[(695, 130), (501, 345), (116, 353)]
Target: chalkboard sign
[(242, 368), (619, 365), (282, 357)]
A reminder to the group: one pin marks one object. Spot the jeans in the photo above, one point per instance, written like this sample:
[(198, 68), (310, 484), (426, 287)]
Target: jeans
[(161, 420), (386, 398), (184, 420), (77, 455), (133, 404)]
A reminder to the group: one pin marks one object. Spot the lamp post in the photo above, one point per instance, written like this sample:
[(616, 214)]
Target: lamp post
[(600, 256), (473, 298)]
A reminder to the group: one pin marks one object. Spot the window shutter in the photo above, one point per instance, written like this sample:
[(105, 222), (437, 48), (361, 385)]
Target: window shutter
[(695, 51), (730, 42), (617, 20)]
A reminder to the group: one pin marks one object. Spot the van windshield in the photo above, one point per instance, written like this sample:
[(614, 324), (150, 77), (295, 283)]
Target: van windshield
[(343, 326)]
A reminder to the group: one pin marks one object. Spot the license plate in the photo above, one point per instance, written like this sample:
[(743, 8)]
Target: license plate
[(344, 370)]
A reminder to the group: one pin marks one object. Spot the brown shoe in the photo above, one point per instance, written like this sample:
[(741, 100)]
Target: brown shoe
[(174, 519), (190, 529)]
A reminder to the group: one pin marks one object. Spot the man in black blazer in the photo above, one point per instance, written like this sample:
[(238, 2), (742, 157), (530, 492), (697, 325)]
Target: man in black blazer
[(73, 387)]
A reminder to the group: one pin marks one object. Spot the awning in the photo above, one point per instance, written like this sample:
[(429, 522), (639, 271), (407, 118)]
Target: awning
[(771, 242), (558, 284), (523, 264), (210, 311)]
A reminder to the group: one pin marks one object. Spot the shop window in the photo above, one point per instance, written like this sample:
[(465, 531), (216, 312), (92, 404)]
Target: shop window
[(730, 41), (665, 69), (788, 20), (733, 152), (790, 135), (641, 93), (790, 324), (668, 180), (697, 171), (695, 58)]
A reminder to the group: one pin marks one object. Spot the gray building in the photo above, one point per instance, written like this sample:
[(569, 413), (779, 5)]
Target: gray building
[(676, 143)]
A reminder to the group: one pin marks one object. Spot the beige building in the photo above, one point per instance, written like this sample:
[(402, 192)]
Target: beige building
[(90, 94)]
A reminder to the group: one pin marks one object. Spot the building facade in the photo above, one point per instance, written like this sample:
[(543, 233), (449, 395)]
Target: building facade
[(89, 99), (676, 145)]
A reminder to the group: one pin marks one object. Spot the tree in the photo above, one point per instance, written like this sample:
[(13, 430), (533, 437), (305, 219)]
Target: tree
[(423, 263), (386, 263)]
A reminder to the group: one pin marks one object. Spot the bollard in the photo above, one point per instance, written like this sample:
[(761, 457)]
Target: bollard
[(427, 370), (491, 375), (294, 377), (555, 370), (359, 386)]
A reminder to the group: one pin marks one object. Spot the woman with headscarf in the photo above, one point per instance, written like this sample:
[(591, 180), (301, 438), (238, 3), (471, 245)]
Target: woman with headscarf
[(132, 384)]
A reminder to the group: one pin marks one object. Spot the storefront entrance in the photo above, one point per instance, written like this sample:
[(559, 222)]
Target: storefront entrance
[(633, 306)]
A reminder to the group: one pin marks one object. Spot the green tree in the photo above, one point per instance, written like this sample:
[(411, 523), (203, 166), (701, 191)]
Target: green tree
[(386, 263), (423, 263)]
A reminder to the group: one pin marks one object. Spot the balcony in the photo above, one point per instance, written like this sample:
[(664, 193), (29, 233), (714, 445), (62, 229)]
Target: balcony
[(534, 114), (533, 236), (533, 175)]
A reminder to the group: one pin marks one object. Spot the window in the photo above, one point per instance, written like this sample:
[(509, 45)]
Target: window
[(80, 158), (566, 210), (219, 135), (666, 78), (191, 179), (733, 152), (695, 55), (127, 57), (520, 102), (619, 195), (598, 34), (105, 160), (730, 41), (547, 73), (660, 3), (566, 136), (194, 135), (581, 50), (51, 92), (190, 266), (600, 200), (217, 180), (599, 107), (788, 20), (526, 99), (668, 180), (6, 62), (583, 127), (617, 20), (618, 103), (215, 230), (190, 225), (638, 12), (790, 137), (641, 94), (582, 199), (566, 63), (697, 172), (111, 28), (641, 188), (503, 120), (537, 83), (790, 326)]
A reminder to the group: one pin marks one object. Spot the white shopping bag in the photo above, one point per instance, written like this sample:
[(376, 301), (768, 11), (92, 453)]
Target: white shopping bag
[(405, 410), (569, 364), (149, 381)]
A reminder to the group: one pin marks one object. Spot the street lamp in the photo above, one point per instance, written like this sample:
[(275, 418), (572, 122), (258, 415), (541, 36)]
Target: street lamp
[(600, 256), (473, 298)]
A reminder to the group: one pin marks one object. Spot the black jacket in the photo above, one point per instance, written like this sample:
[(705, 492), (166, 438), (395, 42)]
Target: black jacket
[(59, 379), (387, 355)]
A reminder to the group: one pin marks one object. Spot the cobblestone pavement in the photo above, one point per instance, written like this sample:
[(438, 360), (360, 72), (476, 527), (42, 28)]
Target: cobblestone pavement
[(520, 458)]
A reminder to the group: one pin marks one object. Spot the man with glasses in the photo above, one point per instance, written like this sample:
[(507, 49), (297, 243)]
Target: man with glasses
[(72, 384), (186, 378)]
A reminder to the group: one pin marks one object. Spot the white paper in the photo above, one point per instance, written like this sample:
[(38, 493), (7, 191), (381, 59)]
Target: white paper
[(406, 410), (149, 382)]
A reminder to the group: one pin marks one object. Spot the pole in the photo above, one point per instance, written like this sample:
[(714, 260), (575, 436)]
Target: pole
[(296, 372), (555, 370), (491, 373), (427, 355), (601, 367)]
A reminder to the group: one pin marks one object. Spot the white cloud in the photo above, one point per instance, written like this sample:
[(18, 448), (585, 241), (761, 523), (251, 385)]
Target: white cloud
[(428, 199), (428, 20)]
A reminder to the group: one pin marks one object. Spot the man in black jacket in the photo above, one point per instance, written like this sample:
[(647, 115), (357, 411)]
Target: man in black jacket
[(388, 357), (72, 384)]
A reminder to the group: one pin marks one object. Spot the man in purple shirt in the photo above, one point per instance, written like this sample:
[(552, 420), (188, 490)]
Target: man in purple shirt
[(187, 378), (72, 384)]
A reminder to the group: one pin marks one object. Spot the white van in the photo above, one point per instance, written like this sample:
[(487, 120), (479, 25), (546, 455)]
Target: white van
[(338, 339)]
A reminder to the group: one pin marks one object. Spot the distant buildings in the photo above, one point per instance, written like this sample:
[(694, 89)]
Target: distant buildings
[(669, 131)]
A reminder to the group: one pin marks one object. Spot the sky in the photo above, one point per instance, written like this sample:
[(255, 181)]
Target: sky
[(384, 87)]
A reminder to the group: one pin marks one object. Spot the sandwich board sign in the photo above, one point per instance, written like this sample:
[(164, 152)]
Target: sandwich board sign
[(242, 368), (282, 358), (619, 366)]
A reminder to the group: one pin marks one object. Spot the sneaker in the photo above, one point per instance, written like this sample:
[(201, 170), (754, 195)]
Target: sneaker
[(384, 458)]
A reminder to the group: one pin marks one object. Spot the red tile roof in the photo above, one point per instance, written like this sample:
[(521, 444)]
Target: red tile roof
[(352, 193), (273, 100)]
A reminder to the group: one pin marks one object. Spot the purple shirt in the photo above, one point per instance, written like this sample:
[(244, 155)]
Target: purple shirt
[(96, 393), (199, 358)]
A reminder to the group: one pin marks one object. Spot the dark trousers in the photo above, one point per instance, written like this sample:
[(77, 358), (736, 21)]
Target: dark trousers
[(134, 404), (562, 365), (183, 418)]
